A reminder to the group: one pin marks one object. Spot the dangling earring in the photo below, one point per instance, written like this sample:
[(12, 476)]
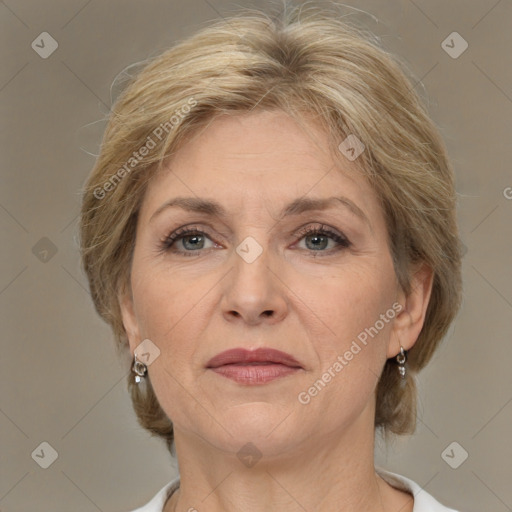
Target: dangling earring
[(401, 359), (140, 369)]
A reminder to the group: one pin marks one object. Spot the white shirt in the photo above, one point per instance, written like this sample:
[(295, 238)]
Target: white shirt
[(423, 501)]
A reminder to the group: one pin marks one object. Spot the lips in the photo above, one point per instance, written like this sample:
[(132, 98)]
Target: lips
[(260, 356), (253, 367)]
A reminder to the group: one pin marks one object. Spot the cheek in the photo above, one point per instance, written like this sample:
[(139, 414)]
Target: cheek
[(350, 300), (165, 299), (350, 328), (170, 313), (167, 310), (350, 341)]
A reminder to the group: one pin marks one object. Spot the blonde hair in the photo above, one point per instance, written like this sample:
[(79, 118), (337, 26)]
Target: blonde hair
[(306, 62)]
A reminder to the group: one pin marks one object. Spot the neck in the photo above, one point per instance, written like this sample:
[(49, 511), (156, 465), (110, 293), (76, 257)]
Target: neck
[(329, 472)]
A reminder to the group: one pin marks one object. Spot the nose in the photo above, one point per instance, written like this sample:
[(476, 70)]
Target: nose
[(253, 293)]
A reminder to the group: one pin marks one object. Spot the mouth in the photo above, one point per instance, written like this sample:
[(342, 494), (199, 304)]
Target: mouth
[(253, 367)]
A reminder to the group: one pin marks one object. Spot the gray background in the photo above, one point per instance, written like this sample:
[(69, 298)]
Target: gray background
[(62, 382)]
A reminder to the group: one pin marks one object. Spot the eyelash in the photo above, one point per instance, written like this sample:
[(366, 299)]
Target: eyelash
[(177, 235)]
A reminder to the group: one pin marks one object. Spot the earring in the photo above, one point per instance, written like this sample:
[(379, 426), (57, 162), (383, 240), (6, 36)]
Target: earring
[(401, 359), (140, 369)]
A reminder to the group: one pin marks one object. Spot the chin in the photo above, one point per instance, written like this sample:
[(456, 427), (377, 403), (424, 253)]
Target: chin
[(266, 426)]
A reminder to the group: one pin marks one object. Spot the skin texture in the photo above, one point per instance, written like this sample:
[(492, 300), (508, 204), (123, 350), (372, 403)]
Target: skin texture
[(309, 302)]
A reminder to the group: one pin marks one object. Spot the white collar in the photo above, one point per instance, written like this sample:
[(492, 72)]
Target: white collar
[(423, 501)]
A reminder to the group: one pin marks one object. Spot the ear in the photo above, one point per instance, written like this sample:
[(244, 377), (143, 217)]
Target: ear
[(409, 321), (130, 323)]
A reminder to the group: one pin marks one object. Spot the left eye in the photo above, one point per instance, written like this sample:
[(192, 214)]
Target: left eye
[(318, 240)]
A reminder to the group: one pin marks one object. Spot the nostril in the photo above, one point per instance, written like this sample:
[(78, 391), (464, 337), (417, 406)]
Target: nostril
[(269, 312)]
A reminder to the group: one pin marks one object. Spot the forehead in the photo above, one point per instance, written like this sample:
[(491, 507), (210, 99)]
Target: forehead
[(258, 159)]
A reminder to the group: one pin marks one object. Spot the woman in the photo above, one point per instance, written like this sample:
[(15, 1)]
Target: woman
[(270, 231)]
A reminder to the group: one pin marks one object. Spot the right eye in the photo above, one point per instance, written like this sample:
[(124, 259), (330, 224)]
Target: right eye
[(186, 240)]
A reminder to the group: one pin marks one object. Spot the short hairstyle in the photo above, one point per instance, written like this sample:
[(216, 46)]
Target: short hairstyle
[(306, 62)]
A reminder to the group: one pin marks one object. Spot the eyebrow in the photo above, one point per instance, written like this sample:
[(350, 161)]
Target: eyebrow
[(296, 207)]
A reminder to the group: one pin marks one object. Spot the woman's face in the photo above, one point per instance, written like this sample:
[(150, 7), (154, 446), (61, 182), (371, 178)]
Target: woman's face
[(263, 270)]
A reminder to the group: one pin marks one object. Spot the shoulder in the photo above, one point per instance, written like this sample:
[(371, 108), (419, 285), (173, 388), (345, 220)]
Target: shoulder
[(156, 504), (423, 501)]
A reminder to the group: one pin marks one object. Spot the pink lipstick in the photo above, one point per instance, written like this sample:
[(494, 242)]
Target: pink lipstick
[(253, 367)]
